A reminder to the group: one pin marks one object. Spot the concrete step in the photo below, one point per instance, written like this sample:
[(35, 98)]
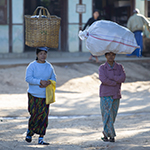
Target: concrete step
[(51, 54)]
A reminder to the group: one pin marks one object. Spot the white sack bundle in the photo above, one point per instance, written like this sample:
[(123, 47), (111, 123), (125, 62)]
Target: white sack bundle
[(107, 36)]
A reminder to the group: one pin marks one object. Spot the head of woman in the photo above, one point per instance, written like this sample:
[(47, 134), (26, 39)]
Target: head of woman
[(110, 57), (96, 14), (41, 54)]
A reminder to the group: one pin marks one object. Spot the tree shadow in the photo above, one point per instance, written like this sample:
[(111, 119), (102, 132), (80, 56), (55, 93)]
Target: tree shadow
[(79, 133), (13, 79)]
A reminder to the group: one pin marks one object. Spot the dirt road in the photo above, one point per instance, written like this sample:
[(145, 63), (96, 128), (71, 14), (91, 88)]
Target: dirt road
[(75, 121)]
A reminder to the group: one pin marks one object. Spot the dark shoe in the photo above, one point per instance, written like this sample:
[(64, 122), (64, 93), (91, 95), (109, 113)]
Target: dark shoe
[(112, 140), (43, 143), (28, 139)]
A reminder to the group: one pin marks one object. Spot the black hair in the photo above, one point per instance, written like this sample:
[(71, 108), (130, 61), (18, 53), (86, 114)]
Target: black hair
[(96, 10), (37, 51), (108, 53)]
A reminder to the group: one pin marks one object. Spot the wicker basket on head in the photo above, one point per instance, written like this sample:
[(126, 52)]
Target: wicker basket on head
[(41, 32)]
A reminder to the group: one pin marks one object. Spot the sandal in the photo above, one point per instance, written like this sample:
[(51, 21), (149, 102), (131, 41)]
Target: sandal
[(43, 143), (112, 140), (105, 139)]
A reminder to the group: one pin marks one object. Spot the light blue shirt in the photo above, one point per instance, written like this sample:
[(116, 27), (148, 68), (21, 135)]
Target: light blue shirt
[(36, 72)]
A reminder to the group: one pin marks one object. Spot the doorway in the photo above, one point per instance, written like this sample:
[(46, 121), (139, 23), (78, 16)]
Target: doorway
[(113, 10)]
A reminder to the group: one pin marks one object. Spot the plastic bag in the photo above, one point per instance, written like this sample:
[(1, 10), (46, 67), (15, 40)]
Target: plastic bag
[(37, 16), (50, 92), (107, 36)]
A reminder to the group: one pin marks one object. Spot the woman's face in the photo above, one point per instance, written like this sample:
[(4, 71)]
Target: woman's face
[(96, 14), (42, 55), (110, 57)]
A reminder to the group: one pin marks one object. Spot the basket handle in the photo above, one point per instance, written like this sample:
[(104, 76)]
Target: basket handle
[(40, 12)]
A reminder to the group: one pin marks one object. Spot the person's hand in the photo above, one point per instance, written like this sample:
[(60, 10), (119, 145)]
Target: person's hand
[(148, 28), (44, 83), (41, 86)]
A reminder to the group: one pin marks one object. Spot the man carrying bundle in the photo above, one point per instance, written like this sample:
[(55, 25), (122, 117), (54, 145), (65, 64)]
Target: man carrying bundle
[(136, 23)]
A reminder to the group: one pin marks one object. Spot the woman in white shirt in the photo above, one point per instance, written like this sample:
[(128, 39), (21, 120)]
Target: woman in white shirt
[(38, 74)]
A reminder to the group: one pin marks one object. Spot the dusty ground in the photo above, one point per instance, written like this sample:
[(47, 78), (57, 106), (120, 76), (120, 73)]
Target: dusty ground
[(75, 121)]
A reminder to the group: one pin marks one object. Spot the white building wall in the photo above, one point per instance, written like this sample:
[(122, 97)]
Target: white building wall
[(17, 28), (4, 36), (86, 16), (140, 5), (73, 23), (4, 39)]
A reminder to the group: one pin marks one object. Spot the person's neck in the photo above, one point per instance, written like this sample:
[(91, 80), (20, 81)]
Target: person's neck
[(110, 63), (41, 62)]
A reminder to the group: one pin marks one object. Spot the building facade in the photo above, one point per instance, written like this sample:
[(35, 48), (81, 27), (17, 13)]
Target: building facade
[(74, 14), (11, 26)]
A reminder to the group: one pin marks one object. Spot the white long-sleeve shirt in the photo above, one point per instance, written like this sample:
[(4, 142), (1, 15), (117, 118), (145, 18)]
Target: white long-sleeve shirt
[(36, 72)]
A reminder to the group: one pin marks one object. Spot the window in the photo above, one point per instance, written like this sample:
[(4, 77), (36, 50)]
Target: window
[(3, 11)]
